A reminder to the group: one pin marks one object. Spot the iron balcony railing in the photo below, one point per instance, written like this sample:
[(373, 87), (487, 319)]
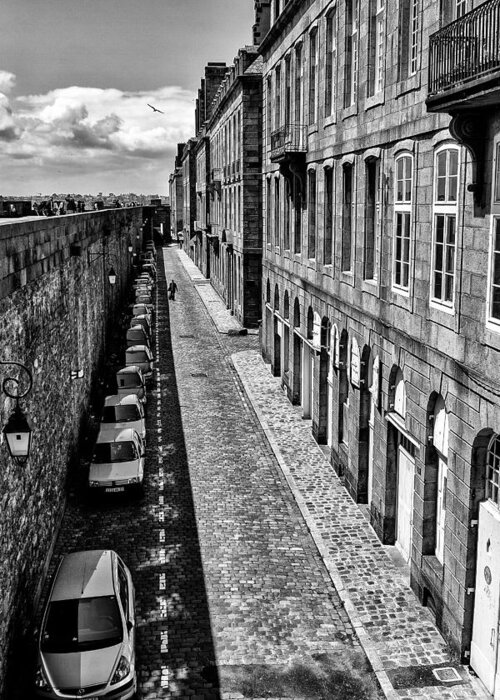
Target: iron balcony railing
[(289, 138), (216, 174), (466, 49)]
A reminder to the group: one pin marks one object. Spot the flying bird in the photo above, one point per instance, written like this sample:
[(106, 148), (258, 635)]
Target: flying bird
[(154, 108)]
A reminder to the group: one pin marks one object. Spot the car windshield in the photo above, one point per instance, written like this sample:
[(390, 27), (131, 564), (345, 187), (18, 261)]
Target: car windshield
[(120, 414), (106, 452), (84, 624), (139, 356), (128, 381)]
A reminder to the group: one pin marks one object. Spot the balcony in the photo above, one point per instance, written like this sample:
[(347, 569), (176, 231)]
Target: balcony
[(464, 80), (215, 181), (289, 148), (464, 61), (287, 141)]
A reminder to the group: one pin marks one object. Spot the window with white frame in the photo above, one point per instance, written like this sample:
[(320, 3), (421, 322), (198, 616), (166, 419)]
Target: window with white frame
[(414, 36), (440, 441), (409, 38), (299, 80), (493, 471), (313, 76), (444, 225), (330, 62), (277, 212), (461, 8), (277, 98), (494, 267), (372, 218), (351, 53), (402, 222), (347, 216), (328, 220), (311, 209), (376, 47), (288, 90)]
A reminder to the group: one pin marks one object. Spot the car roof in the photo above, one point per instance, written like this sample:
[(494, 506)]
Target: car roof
[(85, 575), (139, 348), (118, 435), (131, 369), (122, 400)]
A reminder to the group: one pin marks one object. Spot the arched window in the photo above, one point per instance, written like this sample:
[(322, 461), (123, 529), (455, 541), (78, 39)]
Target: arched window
[(268, 292), (276, 298), (310, 323), (399, 395), (296, 313), (286, 306), (440, 441), (493, 471)]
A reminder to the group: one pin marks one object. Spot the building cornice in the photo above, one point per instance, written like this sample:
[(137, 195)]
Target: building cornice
[(276, 30)]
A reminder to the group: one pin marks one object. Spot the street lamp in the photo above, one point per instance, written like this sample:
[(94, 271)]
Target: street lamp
[(92, 257), (17, 431)]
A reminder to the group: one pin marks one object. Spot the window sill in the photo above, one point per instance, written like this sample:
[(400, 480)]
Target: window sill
[(431, 565), (449, 310), (329, 121), (377, 99), (350, 111), (408, 85)]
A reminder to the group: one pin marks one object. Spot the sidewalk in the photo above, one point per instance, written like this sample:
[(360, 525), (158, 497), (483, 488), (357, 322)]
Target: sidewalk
[(404, 646), (224, 321)]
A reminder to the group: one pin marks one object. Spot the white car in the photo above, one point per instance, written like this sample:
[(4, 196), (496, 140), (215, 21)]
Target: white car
[(130, 380), (122, 412), (142, 357), (117, 464), (86, 646)]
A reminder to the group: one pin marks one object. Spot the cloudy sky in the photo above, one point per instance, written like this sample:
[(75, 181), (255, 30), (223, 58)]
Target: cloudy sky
[(76, 77)]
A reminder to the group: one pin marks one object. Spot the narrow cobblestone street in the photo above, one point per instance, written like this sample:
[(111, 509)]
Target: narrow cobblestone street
[(233, 599)]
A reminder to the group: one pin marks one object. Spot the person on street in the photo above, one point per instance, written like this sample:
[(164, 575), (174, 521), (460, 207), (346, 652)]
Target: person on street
[(172, 288)]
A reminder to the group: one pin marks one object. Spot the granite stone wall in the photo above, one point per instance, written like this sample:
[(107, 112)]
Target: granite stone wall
[(56, 309)]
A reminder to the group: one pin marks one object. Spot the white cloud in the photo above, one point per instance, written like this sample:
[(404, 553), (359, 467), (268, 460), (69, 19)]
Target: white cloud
[(7, 81), (76, 127)]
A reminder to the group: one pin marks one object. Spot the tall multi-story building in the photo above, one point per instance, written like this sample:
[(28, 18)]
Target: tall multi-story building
[(176, 194), (380, 280), (234, 251), (189, 193)]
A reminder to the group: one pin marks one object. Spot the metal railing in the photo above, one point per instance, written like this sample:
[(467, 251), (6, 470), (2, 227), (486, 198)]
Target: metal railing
[(216, 174), (466, 49), (289, 138)]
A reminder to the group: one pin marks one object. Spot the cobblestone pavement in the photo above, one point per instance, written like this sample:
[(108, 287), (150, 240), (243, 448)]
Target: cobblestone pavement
[(398, 634), (233, 600)]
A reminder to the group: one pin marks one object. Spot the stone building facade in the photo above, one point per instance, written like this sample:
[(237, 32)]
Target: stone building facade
[(56, 310), (189, 192), (233, 131), (380, 301), (176, 194)]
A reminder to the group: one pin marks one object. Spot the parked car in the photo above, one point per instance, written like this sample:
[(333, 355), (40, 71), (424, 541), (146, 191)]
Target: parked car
[(142, 357), (143, 297), (118, 462), (130, 380), (139, 309), (142, 284), (120, 412), (151, 268), (147, 257), (142, 320), (146, 277), (86, 643), (137, 336)]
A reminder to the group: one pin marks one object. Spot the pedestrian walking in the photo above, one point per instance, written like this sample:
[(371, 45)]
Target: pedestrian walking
[(172, 288)]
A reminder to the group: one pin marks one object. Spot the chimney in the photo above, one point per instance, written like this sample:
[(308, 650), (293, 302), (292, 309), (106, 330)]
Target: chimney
[(262, 20)]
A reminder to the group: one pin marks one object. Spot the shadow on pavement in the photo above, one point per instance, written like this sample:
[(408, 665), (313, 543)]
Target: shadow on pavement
[(157, 538)]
